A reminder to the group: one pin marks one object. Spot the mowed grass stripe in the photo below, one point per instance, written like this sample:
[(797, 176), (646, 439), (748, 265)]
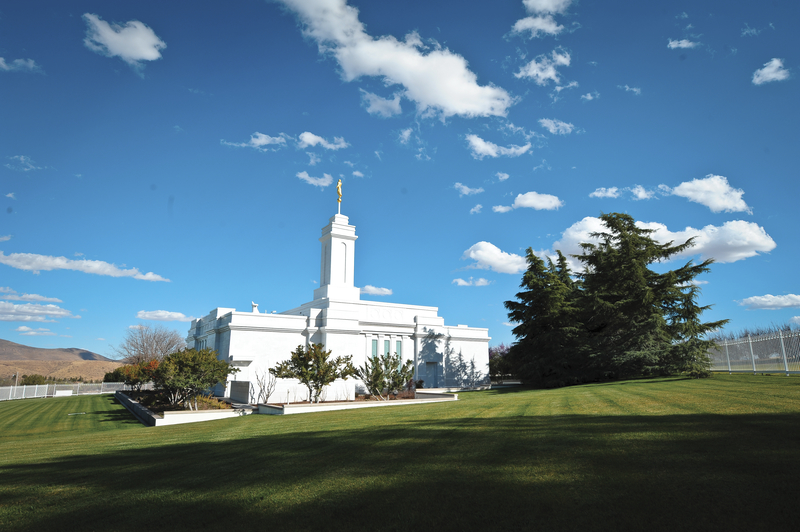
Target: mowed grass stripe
[(648, 454)]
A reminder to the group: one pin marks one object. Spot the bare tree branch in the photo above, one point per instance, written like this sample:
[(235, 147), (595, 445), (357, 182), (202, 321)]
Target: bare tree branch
[(145, 343)]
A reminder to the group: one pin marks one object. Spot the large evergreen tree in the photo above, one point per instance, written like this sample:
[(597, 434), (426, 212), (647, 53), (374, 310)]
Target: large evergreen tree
[(620, 318), (547, 351)]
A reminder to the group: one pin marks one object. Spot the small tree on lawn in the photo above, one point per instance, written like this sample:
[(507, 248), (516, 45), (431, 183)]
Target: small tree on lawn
[(265, 383), (313, 369), (118, 375), (137, 375), (372, 375), (498, 361), (186, 374), (385, 372), (397, 373)]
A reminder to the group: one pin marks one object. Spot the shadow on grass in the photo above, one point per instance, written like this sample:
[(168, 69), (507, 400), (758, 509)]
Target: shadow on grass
[(543, 473), (502, 390)]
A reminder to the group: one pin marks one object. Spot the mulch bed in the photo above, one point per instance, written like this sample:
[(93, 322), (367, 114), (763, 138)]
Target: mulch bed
[(157, 402)]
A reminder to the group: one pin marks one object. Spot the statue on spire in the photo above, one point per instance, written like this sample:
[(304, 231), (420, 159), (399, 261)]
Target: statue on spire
[(339, 191)]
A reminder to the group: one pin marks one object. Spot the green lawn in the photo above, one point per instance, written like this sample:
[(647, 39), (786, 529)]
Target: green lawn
[(660, 454)]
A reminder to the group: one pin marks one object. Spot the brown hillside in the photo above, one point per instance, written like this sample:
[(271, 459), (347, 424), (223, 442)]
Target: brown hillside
[(60, 369), (12, 351)]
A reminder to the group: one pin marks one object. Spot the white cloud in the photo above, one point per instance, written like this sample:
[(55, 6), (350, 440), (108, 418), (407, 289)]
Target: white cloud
[(11, 195), (714, 192), (356, 173), (470, 282), (435, 78), (12, 295), (321, 182), (405, 136), (261, 142), (37, 263), (381, 106), (501, 176), (532, 200), (483, 148), (543, 166), (683, 43), (542, 69), (795, 319), (747, 31), (570, 85), (464, 190), (538, 26), (556, 127), (376, 291), (589, 96), (20, 65), (132, 42), (27, 331), (733, 241), (32, 312), (682, 15), (636, 90), (770, 302), (641, 193), (555, 7), (603, 192), (309, 139), (773, 71), (162, 315), (521, 130), (22, 163), (487, 256), (5, 238), (313, 158), (476, 209)]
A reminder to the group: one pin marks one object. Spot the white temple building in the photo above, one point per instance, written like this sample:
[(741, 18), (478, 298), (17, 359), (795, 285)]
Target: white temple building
[(452, 357)]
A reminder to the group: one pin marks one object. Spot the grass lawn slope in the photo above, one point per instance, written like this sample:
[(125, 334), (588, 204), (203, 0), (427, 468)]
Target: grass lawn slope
[(658, 454)]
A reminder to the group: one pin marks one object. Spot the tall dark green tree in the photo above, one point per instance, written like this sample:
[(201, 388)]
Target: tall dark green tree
[(548, 348), (637, 320), (618, 319)]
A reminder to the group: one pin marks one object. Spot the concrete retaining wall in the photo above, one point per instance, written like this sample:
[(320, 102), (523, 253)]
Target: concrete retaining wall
[(422, 398), (150, 419)]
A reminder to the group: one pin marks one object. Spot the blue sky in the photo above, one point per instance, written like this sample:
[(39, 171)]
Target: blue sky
[(158, 160)]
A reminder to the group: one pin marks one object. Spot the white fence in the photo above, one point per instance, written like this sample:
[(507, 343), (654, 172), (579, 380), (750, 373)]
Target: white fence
[(56, 390), (766, 353)]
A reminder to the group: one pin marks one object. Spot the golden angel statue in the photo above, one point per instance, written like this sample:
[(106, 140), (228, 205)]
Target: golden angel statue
[(339, 190)]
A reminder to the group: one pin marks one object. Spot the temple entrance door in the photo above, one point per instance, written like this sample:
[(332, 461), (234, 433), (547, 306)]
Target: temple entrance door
[(431, 374)]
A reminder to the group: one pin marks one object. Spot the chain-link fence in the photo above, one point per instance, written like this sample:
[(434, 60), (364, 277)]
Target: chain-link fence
[(766, 353), (57, 390)]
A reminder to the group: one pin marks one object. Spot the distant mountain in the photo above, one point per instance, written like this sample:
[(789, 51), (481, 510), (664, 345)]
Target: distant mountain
[(12, 351)]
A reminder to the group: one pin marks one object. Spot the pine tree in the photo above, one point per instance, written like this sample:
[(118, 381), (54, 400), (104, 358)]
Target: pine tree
[(547, 351), (620, 318), (639, 321)]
